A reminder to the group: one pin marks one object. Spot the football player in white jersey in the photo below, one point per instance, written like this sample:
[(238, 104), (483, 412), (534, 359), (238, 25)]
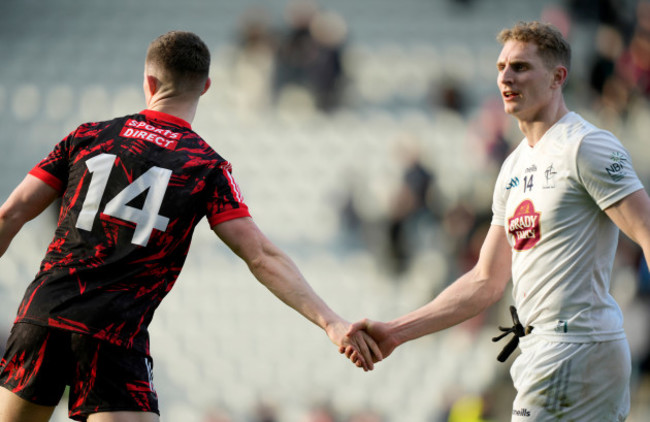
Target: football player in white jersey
[(559, 202)]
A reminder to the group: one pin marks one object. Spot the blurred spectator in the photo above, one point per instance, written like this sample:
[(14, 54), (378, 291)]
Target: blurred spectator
[(634, 63), (253, 61), (296, 46), (643, 274), (254, 30), (350, 216), (558, 16), (410, 206), (609, 47), (487, 132), (328, 74), (598, 11), (447, 94), (467, 255), (457, 223), (614, 103), (309, 54), (611, 93), (642, 303)]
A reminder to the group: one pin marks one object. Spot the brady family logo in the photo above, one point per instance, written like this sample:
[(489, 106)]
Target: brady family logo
[(524, 226)]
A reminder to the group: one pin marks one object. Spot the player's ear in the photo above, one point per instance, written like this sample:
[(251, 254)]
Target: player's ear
[(151, 85), (560, 76), (208, 82)]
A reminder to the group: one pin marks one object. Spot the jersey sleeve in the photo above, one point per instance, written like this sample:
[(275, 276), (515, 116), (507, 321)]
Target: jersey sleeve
[(227, 202), (499, 196), (605, 169), (54, 168)]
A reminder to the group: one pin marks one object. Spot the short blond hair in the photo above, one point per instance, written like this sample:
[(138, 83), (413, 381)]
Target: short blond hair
[(553, 48)]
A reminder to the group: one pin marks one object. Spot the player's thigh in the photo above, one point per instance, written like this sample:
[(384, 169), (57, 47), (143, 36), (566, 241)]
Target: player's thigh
[(111, 379), (563, 381), (36, 365), (124, 417), (15, 409)]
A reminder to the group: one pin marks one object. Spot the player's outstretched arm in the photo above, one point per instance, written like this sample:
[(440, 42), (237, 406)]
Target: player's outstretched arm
[(467, 297), (632, 215), (275, 270), (28, 200)]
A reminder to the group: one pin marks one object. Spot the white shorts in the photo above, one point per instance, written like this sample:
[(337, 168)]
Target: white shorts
[(571, 381)]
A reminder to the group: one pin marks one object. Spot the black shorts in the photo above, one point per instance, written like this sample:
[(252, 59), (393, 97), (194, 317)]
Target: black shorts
[(40, 362)]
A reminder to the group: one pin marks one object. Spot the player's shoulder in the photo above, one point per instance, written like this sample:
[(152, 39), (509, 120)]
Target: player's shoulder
[(573, 129), (92, 128)]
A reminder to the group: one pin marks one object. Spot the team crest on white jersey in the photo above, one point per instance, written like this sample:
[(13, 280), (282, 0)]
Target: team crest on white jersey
[(524, 226), (549, 174)]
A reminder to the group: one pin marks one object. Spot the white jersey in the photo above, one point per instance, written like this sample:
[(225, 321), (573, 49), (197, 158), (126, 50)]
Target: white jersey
[(550, 198)]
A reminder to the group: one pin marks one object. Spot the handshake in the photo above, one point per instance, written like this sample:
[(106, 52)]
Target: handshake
[(364, 342)]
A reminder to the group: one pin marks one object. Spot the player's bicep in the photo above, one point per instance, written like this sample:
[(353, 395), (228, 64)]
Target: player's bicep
[(495, 260), (242, 236), (28, 200), (632, 215)]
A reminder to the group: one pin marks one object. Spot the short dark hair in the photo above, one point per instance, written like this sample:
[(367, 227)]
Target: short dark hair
[(182, 57), (552, 46)]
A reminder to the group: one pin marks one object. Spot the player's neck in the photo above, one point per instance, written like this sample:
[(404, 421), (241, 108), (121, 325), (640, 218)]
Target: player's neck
[(535, 128), (185, 110)]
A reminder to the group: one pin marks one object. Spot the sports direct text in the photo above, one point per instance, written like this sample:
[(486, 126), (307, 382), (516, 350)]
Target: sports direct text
[(142, 130)]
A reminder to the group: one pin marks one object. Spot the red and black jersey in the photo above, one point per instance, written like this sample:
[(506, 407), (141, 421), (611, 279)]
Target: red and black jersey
[(133, 190)]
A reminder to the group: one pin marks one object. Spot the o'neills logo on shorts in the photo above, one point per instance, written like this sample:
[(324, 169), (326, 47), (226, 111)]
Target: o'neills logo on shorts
[(524, 226), (521, 412), (142, 130)]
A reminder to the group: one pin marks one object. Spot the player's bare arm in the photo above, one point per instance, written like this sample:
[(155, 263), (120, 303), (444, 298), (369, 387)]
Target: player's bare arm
[(275, 270), (632, 215), (467, 297), (27, 201)]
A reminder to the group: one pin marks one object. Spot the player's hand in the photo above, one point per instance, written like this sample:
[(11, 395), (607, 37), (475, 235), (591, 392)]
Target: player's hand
[(358, 347), (366, 342), (380, 333)]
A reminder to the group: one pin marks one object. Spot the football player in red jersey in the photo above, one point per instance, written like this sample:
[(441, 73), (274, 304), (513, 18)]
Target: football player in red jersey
[(133, 189)]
